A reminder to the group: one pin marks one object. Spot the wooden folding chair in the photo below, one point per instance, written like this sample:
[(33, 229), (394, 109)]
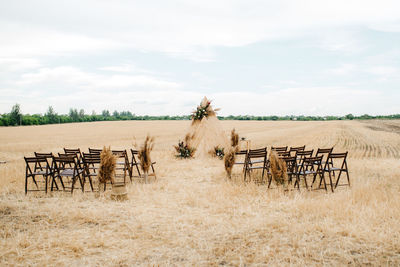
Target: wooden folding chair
[(68, 166), (37, 166), (310, 166), (337, 162), (135, 162), (279, 148), (256, 159), (91, 163), (122, 164)]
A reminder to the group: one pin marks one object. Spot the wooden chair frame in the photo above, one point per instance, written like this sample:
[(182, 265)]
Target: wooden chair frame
[(136, 163), (260, 157), (310, 166), (332, 165), (37, 166), (73, 171)]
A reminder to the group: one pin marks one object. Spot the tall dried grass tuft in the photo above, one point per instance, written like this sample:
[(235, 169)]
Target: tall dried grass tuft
[(229, 160), (144, 155), (278, 168), (234, 138), (107, 166)]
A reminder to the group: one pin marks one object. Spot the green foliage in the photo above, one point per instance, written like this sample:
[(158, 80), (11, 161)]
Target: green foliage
[(219, 152), (15, 117)]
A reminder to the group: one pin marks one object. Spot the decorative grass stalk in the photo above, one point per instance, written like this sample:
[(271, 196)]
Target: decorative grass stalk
[(278, 169), (107, 167), (229, 160), (234, 138), (144, 156)]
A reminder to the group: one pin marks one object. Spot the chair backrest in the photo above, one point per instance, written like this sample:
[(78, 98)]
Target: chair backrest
[(48, 156), (279, 148), (336, 160), (291, 163), (293, 150), (63, 160), (73, 151), (311, 163), (283, 154), (297, 148), (301, 155), (242, 152), (32, 164), (264, 149), (91, 158), (324, 152), (257, 155), (95, 150)]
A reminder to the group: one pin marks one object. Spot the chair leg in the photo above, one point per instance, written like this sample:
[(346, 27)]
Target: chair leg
[(330, 180), (26, 185)]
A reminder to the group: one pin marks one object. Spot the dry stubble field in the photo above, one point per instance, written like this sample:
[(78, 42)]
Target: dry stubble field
[(192, 216)]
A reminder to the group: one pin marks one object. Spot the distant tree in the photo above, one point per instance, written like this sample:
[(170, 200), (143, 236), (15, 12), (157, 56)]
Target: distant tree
[(349, 116), (51, 115), (15, 115), (81, 113), (105, 113), (73, 114)]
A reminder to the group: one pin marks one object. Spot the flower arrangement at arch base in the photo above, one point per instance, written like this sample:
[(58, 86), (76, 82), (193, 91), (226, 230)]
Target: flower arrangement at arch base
[(184, 150)]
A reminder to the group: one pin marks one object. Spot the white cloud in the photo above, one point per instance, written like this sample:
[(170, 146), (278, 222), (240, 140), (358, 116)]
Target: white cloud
[(18, 64), (344, 69), (78, 79), (183, 28)]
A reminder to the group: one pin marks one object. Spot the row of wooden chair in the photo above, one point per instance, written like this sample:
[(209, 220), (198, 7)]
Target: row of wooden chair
[(300, 164), (74, 165)]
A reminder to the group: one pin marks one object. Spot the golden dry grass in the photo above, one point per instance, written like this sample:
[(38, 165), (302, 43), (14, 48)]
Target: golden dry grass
[(192, 215)]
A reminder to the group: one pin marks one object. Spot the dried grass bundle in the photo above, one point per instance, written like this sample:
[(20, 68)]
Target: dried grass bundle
[(144, 153), (229, 160), (107, 166), (234, 138), (278, 168)]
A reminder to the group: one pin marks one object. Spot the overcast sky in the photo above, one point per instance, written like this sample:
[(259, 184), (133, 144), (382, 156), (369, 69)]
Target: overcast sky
[(161, 57)]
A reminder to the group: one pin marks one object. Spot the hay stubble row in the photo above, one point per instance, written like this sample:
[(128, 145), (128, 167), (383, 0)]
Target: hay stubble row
[(192, 215)]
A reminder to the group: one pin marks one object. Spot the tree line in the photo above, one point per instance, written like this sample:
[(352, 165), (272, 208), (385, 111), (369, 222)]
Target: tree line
[(15, 117)]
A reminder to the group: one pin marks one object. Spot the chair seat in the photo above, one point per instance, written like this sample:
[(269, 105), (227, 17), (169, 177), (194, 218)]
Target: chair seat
[(70, 172), (49, 171)]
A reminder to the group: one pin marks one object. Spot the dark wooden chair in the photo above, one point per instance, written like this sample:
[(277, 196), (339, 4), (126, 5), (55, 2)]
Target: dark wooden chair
[(279, 148), (68, 166), (91, 164), (123, 166), (136, 163), (256, 159), (310, 166), (337, 162), (37, 167)]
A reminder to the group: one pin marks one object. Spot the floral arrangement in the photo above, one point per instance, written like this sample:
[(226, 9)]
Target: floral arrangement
[(201, 112), (219, 152), (184, 150)]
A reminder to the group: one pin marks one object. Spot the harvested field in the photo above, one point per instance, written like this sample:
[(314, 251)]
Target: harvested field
[(192, 215)]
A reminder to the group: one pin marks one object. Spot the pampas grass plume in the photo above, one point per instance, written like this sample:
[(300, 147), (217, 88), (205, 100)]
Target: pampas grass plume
[(278, 168), (107, 166), (144, 153), (234, 138)]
